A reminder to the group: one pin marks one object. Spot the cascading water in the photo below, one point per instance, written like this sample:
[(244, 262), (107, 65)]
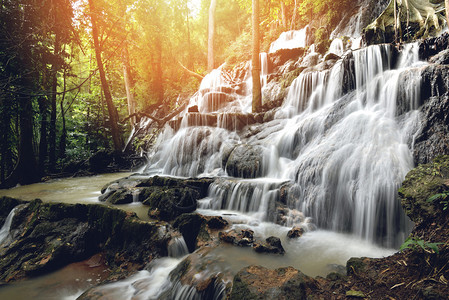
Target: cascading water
[(290, 39), (345, 155), (5, 230)]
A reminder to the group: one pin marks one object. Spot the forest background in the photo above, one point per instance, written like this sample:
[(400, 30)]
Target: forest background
[(72, 72)]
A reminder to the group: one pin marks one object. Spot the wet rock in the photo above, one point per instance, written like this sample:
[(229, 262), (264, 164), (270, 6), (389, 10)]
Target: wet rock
[(193, 109), (433, 139), (243, 238), (118, 197), (6, 205), (168, 203), (442, 58), (217, 222), (331, 56), (431, 46), (420, 184), (295, 232), (256, 282), (310, 60), (193, 278), (272, 245), (200, 184), (193, 229), (245, 161), (282, 56), (47, 236)]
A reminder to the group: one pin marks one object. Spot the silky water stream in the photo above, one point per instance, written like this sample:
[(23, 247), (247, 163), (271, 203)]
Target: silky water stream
[(335, 154)]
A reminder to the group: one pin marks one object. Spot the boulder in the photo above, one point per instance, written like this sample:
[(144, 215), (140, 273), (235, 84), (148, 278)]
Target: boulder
[(245, 161), (243, 238), (272, 245), (433, 139), (295, 232), (48, 236), (281, 56), (420, 184), (193, 229), (193, 109), (256, 282)]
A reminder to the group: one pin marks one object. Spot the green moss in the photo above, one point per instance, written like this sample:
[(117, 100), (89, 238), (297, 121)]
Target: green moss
[(420, 184), (240, 290)]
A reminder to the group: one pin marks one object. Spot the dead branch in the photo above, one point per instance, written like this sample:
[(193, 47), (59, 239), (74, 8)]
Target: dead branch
[(192, 73)]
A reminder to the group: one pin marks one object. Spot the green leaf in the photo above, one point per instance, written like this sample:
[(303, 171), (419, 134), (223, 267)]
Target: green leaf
[(434, 247), (406, 244), (436, 197)]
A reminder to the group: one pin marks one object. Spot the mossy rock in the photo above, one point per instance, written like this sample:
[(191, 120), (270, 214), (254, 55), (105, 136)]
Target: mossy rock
[(47, 236), (256, 282), (171, 202), (422, 183), (192, 228)]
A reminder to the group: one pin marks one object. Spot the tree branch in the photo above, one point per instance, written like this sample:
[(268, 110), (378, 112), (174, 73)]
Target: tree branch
[(192, 73)]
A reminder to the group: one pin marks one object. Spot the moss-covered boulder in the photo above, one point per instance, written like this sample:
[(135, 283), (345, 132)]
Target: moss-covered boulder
[(47, 236), (256, 282), (420, 185)]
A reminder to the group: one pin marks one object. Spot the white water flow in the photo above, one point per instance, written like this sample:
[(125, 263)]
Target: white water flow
[(345, 155), (290, 39), (4, 231), (144, 285)]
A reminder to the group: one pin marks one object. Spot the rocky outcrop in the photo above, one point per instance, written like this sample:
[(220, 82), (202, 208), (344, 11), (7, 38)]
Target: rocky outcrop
[(245, 161), (47, 236), (255, 282), (433, 138), (420, 184), (280, 57), (198, 230), (166, 197)]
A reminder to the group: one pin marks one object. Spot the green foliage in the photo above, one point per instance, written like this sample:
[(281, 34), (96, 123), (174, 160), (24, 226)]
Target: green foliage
[(416, 244), (443, 197), (240, 50)]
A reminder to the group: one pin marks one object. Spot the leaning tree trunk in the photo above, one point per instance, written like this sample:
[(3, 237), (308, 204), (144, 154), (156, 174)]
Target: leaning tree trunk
[(113, 117), (257, 93), (210, 43)]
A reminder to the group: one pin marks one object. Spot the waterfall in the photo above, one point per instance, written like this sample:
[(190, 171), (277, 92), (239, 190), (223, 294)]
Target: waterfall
[(5, 230), (177, 247), (345, 149), (337, 47), (290, 39), (263, 68)]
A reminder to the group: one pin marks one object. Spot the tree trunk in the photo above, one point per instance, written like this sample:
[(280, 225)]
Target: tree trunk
[(283, 16), (257, 93), (63, 138), (43, 142), (158, 80), (210, 42), (54, 90), (129, 85), (113, 117)]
